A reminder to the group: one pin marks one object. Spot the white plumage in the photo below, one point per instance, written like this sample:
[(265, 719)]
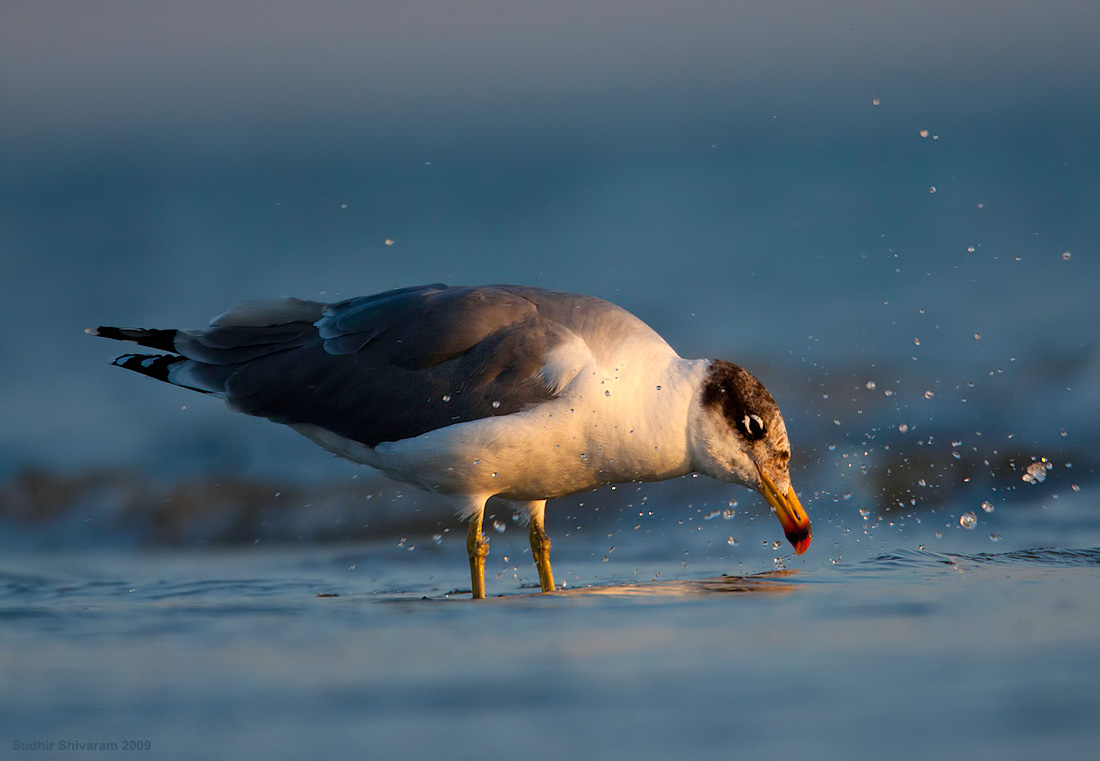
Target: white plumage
[(496, 391)]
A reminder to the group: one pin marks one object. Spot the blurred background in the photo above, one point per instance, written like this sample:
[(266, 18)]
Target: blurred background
[(887, 211)]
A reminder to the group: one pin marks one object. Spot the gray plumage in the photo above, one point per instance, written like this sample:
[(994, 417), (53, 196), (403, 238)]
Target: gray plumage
[(385, 367)]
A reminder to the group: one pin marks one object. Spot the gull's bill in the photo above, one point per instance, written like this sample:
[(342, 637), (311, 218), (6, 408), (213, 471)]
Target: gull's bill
[(787, 508)]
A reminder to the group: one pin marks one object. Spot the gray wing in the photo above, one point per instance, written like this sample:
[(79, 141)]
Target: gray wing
[(384, 367)]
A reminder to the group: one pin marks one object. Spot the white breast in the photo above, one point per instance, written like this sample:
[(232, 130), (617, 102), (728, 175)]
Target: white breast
[(621, 420)]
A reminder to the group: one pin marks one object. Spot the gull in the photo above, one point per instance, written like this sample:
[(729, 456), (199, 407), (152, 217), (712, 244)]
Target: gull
[(513, 392)]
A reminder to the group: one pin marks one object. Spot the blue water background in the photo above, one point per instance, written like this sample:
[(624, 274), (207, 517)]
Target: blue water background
[(888, 213)]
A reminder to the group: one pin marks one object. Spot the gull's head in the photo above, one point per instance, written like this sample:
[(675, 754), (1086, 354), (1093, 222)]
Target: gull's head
[(738, 435)]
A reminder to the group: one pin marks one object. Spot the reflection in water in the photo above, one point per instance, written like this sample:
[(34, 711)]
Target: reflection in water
[(764, 583)]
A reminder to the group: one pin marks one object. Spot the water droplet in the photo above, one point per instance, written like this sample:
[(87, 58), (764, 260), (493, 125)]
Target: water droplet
[(968, 520), (916, 342), (924, 133), (712, 515), (832, 447), (494, 474), (870, 385), (728, 514), (847, 496), (1066, 256), (776, 545), (446, 397), (437, 538), (994, 537), (903, 427), (731, 541), (496, 405), (865, 512), (931, 188), (969, 249), (498, 526), (389, 241), (658, 388), (1037, 471), (929, 394), (875, 101), (987, 506), (607, 393)]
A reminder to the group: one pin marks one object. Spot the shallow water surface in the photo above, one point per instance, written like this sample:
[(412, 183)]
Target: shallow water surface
[(888, 217), (270, 653)]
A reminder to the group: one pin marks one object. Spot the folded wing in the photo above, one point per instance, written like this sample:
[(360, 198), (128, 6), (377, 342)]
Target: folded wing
[(379, 368)]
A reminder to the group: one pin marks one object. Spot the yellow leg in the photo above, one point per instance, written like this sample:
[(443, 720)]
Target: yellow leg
[(540, 549), (478, 547)]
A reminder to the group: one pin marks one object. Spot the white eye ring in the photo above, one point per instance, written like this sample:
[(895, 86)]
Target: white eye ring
[(749, 420)]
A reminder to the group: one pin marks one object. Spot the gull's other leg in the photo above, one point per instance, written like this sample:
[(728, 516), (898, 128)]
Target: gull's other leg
[(540, 544), (477, 545)]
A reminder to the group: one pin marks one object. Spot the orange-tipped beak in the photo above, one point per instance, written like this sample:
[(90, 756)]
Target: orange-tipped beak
[(795, 522)]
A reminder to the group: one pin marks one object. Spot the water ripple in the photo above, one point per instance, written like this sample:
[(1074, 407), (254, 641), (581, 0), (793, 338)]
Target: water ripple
[(1045, 555), (1052, 556)]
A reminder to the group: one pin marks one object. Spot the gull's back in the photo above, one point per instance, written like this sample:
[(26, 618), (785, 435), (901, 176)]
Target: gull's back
[(393, 365)]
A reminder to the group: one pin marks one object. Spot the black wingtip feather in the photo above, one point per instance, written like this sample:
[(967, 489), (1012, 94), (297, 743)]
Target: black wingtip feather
[(154, 338), (153, 365), (159, 367)]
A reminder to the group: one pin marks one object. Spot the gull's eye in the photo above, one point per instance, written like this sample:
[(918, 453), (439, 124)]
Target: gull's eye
[(752, 427)]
